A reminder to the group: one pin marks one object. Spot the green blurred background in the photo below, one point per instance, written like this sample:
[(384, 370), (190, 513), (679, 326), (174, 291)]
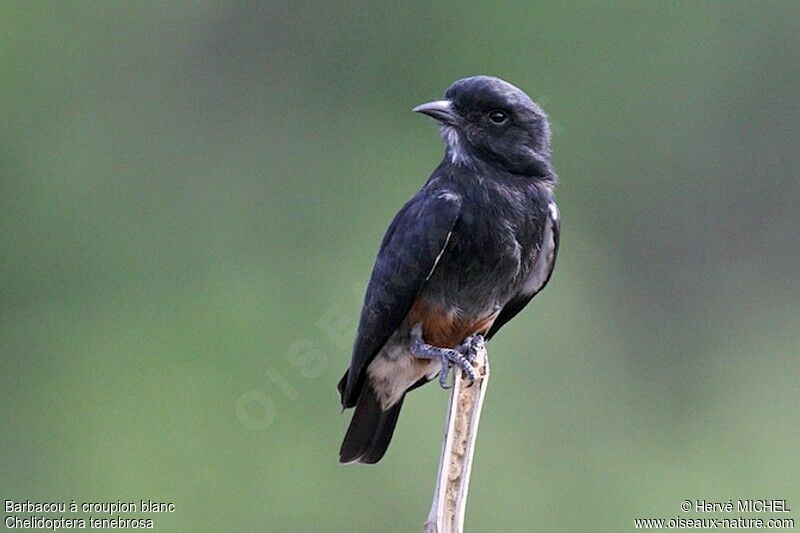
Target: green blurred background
[(192, 196)]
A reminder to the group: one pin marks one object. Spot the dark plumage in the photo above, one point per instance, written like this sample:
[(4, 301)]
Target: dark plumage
[(460, 259)]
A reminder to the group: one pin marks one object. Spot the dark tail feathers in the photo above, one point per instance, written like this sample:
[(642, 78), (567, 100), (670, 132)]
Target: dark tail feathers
[(370, 430)]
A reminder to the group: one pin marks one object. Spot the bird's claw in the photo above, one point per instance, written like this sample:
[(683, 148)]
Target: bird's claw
[(462, 356), (455, 358), (471, 345)]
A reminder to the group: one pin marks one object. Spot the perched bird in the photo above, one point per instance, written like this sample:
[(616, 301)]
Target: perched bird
[(459, 260)]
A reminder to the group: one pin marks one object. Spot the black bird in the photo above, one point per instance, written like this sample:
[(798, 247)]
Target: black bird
[(459, 260)]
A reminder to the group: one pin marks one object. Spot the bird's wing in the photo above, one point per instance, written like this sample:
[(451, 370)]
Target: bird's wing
[(539, 275), (411, 248)]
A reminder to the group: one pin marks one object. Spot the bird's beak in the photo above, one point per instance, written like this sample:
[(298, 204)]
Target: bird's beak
[(441, 110)]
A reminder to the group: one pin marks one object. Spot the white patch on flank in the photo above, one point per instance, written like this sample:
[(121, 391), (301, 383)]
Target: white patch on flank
[(390, 377), (544, 261), (451, 137), (553, 210)]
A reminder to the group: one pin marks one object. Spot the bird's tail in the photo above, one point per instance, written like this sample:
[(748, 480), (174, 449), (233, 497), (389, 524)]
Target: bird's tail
[(370, 429)]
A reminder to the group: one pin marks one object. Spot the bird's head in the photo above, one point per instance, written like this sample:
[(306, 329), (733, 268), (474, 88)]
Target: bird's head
[(489, 120)]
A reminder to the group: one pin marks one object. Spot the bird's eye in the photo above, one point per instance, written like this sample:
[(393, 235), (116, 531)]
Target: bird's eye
[(498, 117)]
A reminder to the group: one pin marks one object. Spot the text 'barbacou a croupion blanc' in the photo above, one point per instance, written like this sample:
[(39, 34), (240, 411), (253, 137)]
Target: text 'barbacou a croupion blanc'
[(109, 514)]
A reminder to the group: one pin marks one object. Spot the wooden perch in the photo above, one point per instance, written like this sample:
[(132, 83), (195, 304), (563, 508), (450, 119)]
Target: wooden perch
[(461, 431)]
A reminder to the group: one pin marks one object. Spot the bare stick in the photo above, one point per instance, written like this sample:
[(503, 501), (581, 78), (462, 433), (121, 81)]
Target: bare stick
[(461, 430)]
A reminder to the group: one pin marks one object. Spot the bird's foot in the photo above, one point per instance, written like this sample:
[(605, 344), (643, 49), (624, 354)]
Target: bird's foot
[(470, 347), (447, 356)]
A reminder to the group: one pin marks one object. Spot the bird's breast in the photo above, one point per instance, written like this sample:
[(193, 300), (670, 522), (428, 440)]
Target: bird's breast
[(490, 253)]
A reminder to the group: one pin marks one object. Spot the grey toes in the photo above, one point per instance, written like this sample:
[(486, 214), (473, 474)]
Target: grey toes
[(461, 357), (470, 346)]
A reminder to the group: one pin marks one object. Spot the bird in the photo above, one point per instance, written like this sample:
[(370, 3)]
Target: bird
[(460, 259)]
